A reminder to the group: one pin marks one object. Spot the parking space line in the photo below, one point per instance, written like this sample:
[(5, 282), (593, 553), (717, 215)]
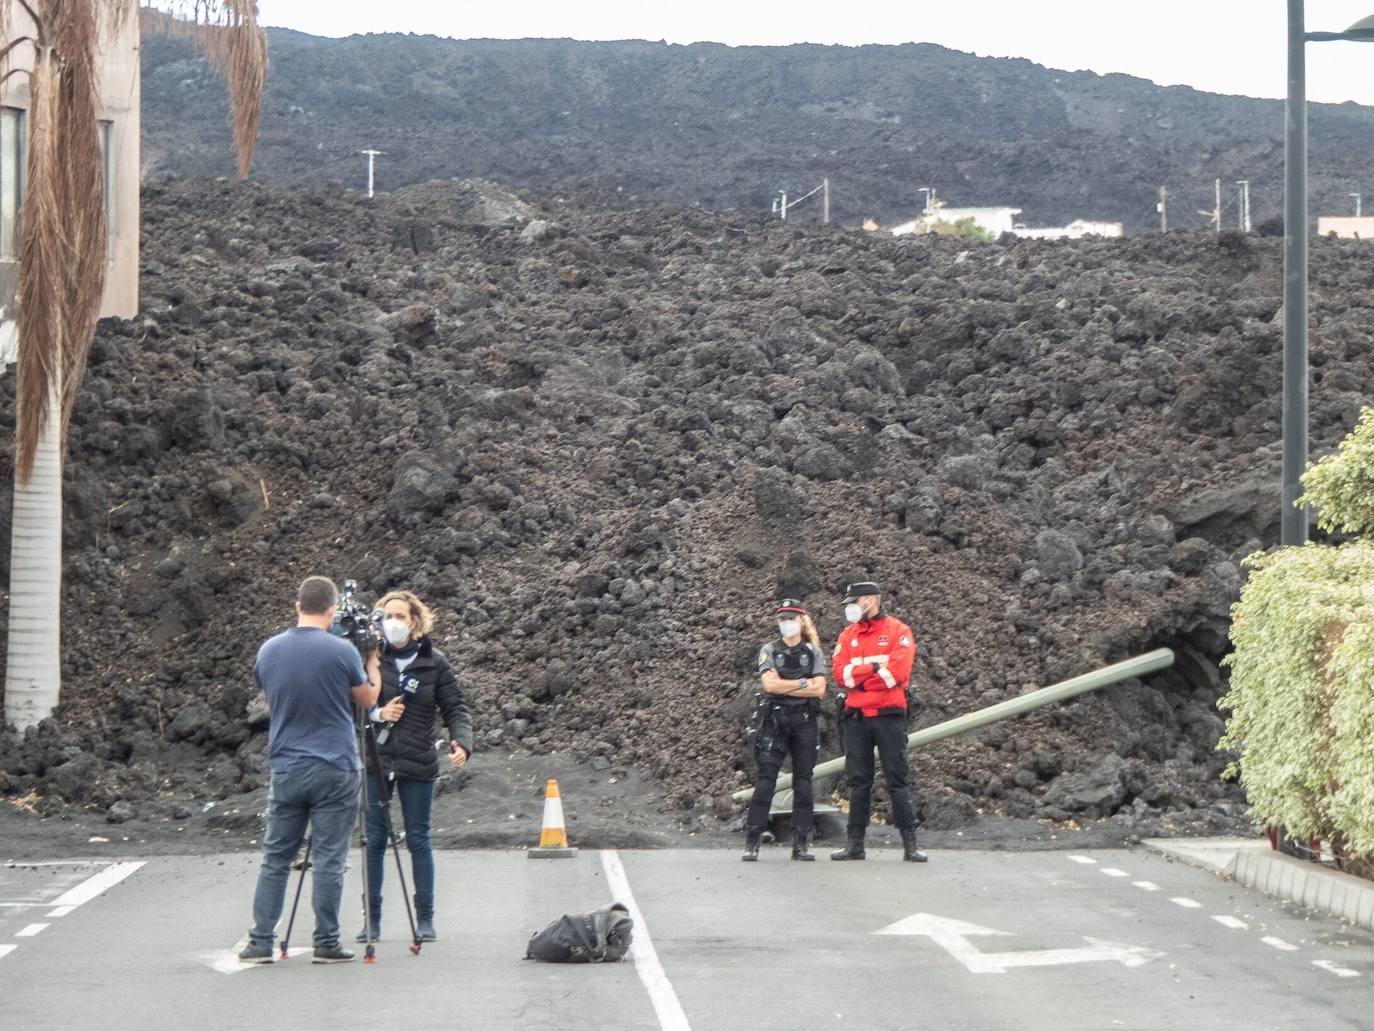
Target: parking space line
[(60, 911), (1278, 943), (1145, 885), (1112, 871), (95, 885), (665, 1002), (1186, 903), (1335, 968), (5, 950), (30, 931), (1085, 860), (1231, 922)]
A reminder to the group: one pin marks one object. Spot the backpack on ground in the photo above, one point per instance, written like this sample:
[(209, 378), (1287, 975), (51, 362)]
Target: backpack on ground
[(602, 936)]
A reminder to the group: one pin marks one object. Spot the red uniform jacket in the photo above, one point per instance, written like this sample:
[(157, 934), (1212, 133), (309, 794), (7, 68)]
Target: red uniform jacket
[(870, 686)]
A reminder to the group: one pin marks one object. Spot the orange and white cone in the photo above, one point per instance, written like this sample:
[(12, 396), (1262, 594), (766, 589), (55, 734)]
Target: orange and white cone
[(553, 836)]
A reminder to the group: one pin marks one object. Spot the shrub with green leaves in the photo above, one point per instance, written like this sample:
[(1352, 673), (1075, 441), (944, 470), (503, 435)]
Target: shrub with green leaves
[(1301, 695)]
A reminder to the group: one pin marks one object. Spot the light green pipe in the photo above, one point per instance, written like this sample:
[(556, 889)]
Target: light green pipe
[(1150, 662)]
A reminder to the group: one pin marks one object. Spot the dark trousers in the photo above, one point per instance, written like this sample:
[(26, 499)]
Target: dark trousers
[(326, 799), (785, 731), (417, 800), (887, 734)]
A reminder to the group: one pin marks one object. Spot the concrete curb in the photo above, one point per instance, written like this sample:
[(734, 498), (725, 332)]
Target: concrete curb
[(1253, 864)]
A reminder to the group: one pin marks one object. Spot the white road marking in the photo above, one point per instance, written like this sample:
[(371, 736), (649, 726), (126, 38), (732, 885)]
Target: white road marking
[(1145, 885), (953, 935), (665, 1002), (1335, 968), (30, 931), (1231, 922), (5, 950), (1278, 943), (226, 961), (1186, 903), (1112, 871), (60, 911), (95, 885), (1085, 860)]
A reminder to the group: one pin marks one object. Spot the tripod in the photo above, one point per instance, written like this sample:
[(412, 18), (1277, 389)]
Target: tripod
[(367, 753)]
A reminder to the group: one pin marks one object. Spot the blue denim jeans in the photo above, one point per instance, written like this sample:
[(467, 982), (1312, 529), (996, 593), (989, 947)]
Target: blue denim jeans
[(325, 798), (417, 799)]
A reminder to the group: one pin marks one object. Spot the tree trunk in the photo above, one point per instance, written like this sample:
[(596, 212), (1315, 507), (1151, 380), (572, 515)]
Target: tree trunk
[(33, 677)]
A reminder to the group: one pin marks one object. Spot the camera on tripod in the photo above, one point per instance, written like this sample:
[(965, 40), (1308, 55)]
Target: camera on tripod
[(356, 624)]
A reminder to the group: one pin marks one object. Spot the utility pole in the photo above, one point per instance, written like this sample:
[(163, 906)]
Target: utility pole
[(372, 156), (1357, 204), (782, 208), (1163, 208), (825, 201), (1293, 521), (1214, 216), (1243, 202), (930, 195)]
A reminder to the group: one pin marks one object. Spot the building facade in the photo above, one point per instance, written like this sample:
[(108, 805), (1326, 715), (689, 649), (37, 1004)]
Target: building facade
[(119, 137)]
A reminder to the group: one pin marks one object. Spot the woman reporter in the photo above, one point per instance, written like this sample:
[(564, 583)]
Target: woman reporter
[(417, 685), (791, 670)]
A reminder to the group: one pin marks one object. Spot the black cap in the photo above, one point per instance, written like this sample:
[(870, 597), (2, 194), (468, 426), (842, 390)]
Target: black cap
[(861, 589), (790, 605)]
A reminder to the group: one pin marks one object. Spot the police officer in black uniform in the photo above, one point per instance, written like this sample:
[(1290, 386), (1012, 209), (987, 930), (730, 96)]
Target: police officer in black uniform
[(792, 672)]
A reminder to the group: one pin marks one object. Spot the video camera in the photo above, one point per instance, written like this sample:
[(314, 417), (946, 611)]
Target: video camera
[(356, 624)]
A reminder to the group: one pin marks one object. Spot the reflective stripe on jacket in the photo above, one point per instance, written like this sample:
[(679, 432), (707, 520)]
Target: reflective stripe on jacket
[(872, 684)]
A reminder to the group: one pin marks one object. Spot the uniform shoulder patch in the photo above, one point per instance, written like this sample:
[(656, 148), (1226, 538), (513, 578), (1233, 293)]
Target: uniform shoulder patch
[(905, 641)]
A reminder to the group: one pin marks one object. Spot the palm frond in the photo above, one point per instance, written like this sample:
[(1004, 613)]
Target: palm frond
[(62, 224), (227, 32)]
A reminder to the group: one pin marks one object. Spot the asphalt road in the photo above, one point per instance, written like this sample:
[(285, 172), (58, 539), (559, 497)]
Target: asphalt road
[(972, 940)]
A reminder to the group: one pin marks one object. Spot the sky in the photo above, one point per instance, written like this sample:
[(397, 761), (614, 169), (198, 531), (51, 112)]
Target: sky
[(1221, 46)]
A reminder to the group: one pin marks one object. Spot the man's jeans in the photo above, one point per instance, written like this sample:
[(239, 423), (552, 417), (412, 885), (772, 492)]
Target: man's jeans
[(326, 798), (417, 800)]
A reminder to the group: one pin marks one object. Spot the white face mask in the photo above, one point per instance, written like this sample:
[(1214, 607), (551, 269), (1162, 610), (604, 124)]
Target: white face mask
[(789, 627), (853, 612), (397, 631)]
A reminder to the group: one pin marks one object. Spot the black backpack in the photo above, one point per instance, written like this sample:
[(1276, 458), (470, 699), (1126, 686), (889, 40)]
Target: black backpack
[(602, 936)]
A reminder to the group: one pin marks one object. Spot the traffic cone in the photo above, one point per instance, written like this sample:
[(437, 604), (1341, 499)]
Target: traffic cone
[(553, 838)]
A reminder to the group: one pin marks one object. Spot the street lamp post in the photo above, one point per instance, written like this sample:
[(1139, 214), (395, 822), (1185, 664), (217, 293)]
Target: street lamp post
[(1293, 521), (1357, 203)]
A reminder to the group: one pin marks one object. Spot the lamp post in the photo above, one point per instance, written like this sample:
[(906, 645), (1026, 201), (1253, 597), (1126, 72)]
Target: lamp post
[(1357, 203), (1293, 521)]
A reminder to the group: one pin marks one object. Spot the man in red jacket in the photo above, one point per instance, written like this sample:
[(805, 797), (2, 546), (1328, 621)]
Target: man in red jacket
[(872, 665)]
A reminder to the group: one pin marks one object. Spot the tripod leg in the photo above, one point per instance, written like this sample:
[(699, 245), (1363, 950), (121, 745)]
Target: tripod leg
[(291, 922), (384, 801), (370, 949)]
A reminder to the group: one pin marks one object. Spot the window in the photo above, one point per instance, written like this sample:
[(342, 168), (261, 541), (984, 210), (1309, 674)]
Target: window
[(12, 161)]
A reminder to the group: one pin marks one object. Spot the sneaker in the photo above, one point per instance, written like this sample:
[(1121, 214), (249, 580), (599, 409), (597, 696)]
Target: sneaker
[(332, 954), (256, 954)]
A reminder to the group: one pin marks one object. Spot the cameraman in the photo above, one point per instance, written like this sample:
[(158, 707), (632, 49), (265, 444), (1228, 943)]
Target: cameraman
[(418, 685), (311, 679)]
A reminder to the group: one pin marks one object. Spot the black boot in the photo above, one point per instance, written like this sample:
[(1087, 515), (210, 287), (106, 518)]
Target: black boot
[(751, 844), (910, 853), (853, 847), (801, 846), (374, 909), (424, 917)]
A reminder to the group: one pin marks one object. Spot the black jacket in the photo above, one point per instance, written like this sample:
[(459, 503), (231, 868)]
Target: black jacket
[(409, 749)]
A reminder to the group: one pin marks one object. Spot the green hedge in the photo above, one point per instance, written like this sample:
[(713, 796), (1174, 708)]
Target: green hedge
[(1302, 671)]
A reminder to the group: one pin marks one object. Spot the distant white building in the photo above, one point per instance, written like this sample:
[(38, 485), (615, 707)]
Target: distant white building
[(993, 220), (1075, 230), (1346, 227)]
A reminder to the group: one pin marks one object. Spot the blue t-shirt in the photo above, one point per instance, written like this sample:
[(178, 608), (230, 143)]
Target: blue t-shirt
[(307, 675)]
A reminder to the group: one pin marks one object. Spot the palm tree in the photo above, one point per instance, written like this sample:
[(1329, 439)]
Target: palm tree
[(56, 45)]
